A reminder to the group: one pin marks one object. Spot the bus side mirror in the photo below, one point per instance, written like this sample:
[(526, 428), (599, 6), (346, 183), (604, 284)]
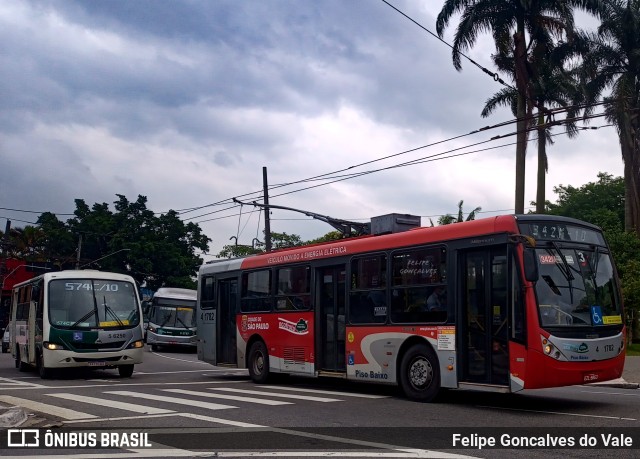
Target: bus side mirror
[(530, 265)]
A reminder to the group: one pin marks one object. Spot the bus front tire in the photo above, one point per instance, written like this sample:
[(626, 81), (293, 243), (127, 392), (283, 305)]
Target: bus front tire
[(259, 363), (125, 371), (44, 372), (420, 374)]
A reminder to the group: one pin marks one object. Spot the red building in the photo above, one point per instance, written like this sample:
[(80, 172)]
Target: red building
[(12, 272)]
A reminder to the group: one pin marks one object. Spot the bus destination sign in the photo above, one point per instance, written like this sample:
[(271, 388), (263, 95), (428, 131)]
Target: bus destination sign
[(562, 232)]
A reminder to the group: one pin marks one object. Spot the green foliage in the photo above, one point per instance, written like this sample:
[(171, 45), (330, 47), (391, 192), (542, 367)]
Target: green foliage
[(284, 240), (330, 236), (449, 219), (602, 203), (278, 241), (633, 349), (239, 250), (154, 250)]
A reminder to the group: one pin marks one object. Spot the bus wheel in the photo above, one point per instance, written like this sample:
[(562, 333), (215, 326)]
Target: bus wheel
[(125, 371), (259, 363), (420, 373), (20, 365), (44, 372), (154, 347)]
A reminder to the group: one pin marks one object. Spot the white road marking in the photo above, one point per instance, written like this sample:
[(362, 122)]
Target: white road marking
[(52, 410), (181, 360), (260, 401), (8, 383), (276, 394), (112, 404), (328, 392), (120, 384), (229, 370), (179, 401), (558, 413)]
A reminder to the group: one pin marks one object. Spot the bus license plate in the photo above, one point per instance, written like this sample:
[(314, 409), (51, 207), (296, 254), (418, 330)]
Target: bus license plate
[(97, 364), (590, 377)]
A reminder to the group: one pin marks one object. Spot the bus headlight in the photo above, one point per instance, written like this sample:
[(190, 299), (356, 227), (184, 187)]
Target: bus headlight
[(136, 344), (52, 346)]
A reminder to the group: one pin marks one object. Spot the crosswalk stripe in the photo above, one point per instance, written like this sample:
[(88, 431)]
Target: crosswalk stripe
[(52, 410), (329, 392), (7, 382), (275, 394), (112, 404), (260, 401), (179, 401)]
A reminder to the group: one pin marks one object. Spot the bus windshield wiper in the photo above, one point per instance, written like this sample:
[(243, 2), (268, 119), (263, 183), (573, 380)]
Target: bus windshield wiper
[(166, 319), (565, 268), (108, 309), (183, 324), (87, 315)]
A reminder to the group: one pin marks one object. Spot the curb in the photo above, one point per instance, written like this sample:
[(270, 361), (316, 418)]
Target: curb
[(620, 383)]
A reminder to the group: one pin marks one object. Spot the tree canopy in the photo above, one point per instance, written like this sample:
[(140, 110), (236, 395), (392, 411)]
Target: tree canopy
[(154, 250)]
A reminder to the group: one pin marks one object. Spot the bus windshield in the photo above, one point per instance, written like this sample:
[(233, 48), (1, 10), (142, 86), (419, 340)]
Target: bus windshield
[(577, 287), (176, 314), (92, 303)]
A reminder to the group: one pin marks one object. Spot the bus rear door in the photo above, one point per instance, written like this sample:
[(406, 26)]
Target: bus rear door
[(330, 337), (226, 339)]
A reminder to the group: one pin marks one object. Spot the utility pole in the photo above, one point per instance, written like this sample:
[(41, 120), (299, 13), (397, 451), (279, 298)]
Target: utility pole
[(5, 250), (267, 222), (79, 250)]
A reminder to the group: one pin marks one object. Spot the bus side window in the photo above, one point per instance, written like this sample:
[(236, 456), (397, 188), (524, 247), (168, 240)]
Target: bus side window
[(208, 293)]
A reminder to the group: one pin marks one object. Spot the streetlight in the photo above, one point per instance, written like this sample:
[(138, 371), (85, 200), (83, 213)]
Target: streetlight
[(102, 258)]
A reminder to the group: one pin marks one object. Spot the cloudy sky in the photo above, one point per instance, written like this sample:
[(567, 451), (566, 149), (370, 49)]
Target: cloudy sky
[(185, 102)]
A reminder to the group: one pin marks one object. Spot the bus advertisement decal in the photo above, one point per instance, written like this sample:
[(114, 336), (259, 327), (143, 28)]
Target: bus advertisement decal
[(297, 328)]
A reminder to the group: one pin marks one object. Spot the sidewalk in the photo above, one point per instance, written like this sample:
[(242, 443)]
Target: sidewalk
[(630, 375)]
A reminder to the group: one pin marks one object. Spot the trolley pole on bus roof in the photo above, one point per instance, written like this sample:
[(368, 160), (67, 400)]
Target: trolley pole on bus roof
[(267, 222)]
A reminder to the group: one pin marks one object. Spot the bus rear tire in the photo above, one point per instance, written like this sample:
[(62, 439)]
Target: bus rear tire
[(125, 371), (420, 374), (20, 365), (259, 363)]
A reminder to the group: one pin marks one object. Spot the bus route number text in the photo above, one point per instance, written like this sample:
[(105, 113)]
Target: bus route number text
[(89, 287)]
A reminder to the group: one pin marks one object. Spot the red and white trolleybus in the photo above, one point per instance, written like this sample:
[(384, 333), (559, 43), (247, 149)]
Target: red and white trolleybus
[(499, 304)]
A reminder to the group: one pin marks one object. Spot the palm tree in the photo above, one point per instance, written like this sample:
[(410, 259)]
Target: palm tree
[(510, 22), (448, 219), (613, 62), (554, 86)]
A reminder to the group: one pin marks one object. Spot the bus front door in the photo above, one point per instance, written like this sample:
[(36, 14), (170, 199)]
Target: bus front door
[(483, 322), (330, 305), (226, 336)]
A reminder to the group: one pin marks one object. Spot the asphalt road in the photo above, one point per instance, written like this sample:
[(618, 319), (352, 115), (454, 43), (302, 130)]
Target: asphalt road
[(190, 408)]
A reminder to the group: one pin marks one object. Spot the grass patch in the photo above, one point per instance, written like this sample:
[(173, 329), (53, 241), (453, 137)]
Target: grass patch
[(633, 349)]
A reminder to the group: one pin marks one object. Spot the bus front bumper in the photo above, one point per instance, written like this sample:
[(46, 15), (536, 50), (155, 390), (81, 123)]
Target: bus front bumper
[(70, 359)]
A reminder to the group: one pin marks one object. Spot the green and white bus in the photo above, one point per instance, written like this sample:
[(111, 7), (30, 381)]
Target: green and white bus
[(172, 318), (81, 318)]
